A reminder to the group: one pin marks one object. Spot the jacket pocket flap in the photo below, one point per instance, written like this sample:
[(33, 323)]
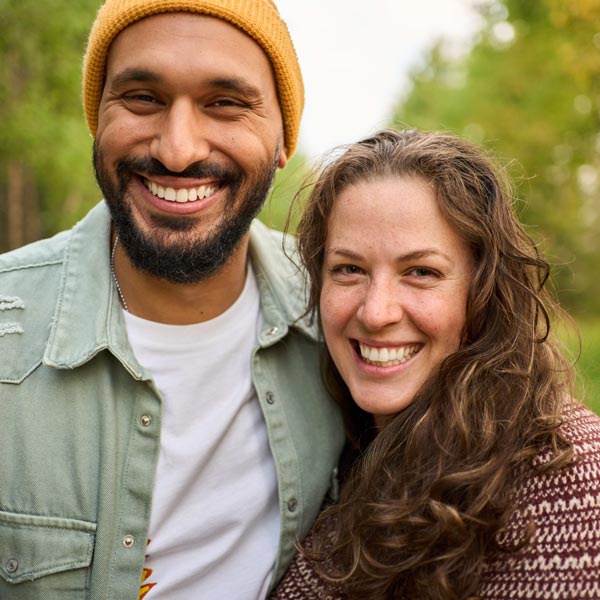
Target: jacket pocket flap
[(32, 546)]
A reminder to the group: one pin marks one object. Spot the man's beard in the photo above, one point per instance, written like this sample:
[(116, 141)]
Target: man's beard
[(161, 253)]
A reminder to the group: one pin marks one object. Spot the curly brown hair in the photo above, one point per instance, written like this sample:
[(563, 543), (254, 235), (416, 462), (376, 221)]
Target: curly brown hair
[(423, 504)]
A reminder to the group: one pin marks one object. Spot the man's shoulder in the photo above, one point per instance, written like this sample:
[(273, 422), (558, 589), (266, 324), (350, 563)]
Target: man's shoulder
[(27, 274), (282, 282), (30, 273), (275, 242), (40, 254), (275, 253), (29, 284)]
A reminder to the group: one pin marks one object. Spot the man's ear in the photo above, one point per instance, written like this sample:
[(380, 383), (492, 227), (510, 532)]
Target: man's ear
[(282, 158)]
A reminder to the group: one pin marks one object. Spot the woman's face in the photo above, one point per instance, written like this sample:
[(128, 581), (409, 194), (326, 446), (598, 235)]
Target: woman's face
[(395, 282)]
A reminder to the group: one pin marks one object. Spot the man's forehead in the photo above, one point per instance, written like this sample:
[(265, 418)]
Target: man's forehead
[(162, 48)]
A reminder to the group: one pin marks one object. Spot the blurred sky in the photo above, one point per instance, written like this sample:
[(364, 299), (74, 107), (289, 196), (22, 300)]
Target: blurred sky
[(356, 55)]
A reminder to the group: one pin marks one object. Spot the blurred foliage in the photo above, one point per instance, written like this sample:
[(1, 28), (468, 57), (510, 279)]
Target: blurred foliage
[(589, 363), (529, 89), (43, 138), (285, 187)]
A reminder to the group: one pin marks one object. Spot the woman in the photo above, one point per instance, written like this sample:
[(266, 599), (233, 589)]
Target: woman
[(476, 475)]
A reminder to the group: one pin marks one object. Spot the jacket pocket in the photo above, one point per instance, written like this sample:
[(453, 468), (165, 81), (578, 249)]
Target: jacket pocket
[(45, 558)]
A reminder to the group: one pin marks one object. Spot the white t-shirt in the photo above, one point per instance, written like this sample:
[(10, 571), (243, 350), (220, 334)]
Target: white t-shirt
[(214, 526)]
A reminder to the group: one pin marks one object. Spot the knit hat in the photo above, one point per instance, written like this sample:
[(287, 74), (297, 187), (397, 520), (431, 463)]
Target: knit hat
[(259, 19)]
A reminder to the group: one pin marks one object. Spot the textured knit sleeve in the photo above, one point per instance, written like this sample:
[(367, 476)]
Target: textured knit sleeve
[(562, 562), (301, 582)]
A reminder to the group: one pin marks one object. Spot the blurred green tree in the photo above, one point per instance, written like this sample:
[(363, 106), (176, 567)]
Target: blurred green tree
[(529, 89), (285, 187), (46, 179)]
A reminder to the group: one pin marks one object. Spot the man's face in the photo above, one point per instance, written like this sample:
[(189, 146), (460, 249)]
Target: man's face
[(189, 137)]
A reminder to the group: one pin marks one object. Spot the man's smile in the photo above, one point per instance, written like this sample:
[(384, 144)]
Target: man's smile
[(182, 194)]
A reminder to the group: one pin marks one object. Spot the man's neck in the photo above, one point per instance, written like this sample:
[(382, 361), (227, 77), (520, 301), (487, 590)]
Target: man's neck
[(158, 300)]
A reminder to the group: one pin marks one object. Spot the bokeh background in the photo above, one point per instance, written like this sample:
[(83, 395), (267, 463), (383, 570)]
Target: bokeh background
[(521, 77)]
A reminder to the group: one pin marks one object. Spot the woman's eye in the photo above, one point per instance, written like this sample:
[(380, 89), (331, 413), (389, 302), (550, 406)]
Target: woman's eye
[(346, 270), (423, 272)]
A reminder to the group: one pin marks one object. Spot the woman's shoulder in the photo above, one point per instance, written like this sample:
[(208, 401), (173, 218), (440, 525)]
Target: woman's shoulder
[(581, 427), (560, 508), (302, 582), (572, 491)]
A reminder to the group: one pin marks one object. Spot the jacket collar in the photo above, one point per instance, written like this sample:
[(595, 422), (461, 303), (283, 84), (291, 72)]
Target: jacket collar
[(89, 319), (283, 289)]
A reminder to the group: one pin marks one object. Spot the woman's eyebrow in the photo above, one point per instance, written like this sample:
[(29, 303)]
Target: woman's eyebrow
[(414, 255), (423, 253), (343, 252)]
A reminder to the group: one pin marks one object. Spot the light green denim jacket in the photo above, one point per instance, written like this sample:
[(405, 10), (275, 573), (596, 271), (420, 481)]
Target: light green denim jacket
[(80, 417)]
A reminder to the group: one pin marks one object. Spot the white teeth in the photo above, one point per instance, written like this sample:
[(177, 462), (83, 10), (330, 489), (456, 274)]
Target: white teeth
[(181, 194), (385, 357)]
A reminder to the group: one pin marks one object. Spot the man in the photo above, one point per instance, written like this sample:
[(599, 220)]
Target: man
[(161, 415)]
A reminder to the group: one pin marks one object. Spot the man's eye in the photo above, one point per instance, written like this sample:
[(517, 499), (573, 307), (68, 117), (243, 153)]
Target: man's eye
[(230, 103), (146, 98)]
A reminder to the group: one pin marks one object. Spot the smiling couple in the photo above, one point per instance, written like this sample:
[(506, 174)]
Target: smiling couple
[(171, 425)]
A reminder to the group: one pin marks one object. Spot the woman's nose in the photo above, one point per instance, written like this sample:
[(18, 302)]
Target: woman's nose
[(381, 306)]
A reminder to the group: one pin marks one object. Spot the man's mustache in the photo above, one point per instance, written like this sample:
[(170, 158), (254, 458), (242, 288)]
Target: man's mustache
[(150, 167)]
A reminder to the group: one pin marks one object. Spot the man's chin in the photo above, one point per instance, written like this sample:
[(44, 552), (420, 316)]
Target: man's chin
[(180, 256)]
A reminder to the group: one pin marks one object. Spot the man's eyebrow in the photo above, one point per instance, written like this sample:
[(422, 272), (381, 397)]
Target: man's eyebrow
[(134, 74), (235, 84)]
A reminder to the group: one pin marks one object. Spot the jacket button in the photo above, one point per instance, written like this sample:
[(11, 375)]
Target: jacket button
[(12, 564), (128, 541), (292, 504), (146, 420), (272, 330), (270, 397)]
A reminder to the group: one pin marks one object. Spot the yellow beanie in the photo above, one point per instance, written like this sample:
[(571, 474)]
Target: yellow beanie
[(259, 19)]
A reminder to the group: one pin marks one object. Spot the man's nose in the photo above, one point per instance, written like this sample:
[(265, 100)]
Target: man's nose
[(181, 139)]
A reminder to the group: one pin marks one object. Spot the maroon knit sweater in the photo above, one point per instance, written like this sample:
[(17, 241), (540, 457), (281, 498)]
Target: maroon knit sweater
[(562, 561)]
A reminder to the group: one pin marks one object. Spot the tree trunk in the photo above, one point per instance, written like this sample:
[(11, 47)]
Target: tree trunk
[(22, 221)]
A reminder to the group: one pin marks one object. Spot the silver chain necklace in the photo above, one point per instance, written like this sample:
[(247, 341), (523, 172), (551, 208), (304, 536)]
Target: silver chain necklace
[(114, 275)]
